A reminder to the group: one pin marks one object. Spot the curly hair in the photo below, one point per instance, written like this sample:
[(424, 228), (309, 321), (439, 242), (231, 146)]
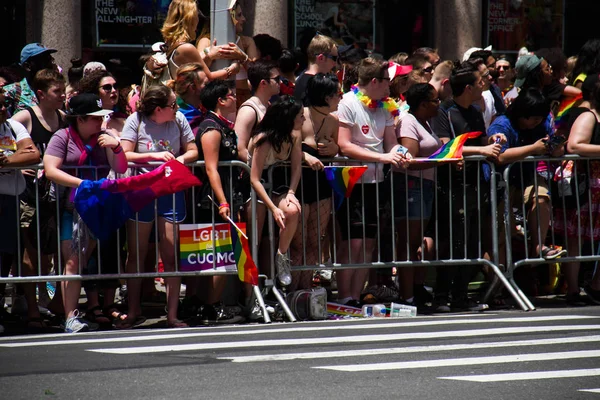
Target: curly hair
[(91, 82), (278, 123)]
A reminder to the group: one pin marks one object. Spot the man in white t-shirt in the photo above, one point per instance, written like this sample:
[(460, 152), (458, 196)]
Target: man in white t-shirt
[(486, 104), (16, 149), (366, 133)]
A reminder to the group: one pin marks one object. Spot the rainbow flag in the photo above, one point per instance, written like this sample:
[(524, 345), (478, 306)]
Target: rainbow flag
[(247, 271), (565, 106), (451, 150), (342, 181)]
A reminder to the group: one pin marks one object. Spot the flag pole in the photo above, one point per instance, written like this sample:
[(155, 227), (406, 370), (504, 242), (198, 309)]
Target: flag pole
[(230, 220)]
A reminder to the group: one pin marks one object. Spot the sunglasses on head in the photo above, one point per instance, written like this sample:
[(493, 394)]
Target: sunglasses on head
[(108, 87)]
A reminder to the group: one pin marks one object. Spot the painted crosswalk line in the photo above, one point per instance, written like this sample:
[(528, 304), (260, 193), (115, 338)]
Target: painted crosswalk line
[(525, 376), (453, 362), (345, 339), (297, 328), (590, 390), (409, 350)]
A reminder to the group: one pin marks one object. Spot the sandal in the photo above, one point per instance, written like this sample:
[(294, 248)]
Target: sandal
[(116, 316), (177, 324), (552, 252), (130, 322), (96, 315)]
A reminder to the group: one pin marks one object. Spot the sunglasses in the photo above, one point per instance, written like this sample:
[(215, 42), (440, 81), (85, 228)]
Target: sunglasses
[(108, 87), (332, 57), (277, 78), (173, 105), (428, 70)]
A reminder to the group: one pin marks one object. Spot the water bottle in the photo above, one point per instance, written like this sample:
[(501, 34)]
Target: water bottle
[(374, 311), (402, 311)]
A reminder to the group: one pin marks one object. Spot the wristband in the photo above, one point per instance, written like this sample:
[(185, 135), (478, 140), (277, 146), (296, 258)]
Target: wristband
[(223, 205), (117, 149)]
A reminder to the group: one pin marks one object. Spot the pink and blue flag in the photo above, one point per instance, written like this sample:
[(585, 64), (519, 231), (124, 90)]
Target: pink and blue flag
[(106, 205)]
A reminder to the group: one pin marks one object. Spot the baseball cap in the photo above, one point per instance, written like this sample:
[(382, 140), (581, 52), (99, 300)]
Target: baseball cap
[(87, 104), (34, 49), (525, 64), (398, 70)]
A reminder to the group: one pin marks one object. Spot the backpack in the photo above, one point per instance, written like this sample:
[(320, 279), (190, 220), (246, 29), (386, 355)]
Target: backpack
[(308, 304), (156, 71)]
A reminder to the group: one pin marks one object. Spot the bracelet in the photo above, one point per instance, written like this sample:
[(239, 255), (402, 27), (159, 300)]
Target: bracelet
[(291, 192), (117, 149), (223, 205), (206, 50)]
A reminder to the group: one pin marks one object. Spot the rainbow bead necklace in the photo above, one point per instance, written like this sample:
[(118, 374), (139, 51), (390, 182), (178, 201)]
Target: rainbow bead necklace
[(387, 103)]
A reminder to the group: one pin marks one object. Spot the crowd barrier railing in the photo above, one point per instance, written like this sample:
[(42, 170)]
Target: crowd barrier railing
[(459, 228), (569, 184), (49, 265)]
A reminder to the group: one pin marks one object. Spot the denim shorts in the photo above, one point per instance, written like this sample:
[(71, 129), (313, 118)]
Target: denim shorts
[(164, 208), (414, 190)]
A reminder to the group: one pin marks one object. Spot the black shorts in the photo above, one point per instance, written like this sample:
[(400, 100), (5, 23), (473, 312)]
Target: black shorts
[(354, 214)]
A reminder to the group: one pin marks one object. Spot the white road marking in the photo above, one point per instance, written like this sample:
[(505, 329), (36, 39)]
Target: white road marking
[(524, 376), (345, 339), (453, 362), (200, 332), (408, 350), (589, 390)]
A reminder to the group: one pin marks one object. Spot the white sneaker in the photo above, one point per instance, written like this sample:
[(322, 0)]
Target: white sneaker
[(282, 264), (77, 324)]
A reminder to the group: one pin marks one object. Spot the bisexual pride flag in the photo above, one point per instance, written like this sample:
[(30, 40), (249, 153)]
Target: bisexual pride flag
[(106, 205), (342, 181)]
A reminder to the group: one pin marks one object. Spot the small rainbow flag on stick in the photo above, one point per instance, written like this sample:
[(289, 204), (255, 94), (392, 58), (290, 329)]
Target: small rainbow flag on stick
[(342, 181), (451, 151), (247, 270), (560, 120)]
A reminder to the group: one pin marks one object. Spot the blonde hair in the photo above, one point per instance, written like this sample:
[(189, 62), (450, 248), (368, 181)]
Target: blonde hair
[(320, 44), (399, 58), (187, 75), (179, 17), (443, 70), (571, 61)]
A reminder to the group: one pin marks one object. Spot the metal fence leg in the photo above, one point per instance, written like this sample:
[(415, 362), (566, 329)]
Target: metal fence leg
[(530, 306), (261, 303), (284, 305)]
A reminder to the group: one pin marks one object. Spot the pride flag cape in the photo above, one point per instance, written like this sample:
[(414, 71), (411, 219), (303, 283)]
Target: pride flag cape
[(565, 106), (342, 181), (451, 151), (247, 271), (105, 205)]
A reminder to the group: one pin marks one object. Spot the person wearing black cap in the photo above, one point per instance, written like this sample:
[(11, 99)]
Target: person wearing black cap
[(83, 143), (34, 57)]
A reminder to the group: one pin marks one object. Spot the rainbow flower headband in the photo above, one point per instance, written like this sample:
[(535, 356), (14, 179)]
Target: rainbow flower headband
[(386, 103)]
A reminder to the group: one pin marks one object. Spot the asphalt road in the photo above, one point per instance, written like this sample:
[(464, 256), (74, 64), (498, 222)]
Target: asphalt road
[(547, 354)]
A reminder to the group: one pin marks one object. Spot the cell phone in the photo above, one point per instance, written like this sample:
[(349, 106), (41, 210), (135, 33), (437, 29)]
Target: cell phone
[(554, 142), (402, 150)]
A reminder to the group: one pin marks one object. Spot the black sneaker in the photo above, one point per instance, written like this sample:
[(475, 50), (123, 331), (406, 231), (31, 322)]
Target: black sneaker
[(441, 304), (422, 296), (189, 307), (218, 314), (467, 304), (575, 300), (593, 295)]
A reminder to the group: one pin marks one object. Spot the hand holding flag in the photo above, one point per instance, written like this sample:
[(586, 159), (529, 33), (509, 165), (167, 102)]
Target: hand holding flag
[(451, 151)]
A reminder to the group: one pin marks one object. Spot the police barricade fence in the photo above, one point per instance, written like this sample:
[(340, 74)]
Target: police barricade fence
[(559, 199), (451, 221), (205, 237)]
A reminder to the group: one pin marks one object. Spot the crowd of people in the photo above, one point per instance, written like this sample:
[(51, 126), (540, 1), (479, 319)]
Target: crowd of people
[(259, 109)]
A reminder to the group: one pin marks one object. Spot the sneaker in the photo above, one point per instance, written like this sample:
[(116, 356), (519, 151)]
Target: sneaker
[(593, 295), (576, 300), (387, 294), (255, 312), (468, 304), (218, 314), (422, 295), (76, 324), (284, 275), (189, 307), (441, 304)]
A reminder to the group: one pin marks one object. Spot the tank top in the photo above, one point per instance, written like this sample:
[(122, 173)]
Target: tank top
[(39, 134)]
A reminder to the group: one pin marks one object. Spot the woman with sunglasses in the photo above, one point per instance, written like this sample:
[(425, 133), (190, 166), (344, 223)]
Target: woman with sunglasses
[(275, 140), (156, 132), (82, 143), (319, 140), (103, 84)]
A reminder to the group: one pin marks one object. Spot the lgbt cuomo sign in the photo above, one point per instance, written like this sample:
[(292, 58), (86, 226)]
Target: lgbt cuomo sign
[(203, 247)]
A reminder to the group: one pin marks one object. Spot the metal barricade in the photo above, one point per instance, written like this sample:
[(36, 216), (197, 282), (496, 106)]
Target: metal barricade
[(475, 198), (569, 216)]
